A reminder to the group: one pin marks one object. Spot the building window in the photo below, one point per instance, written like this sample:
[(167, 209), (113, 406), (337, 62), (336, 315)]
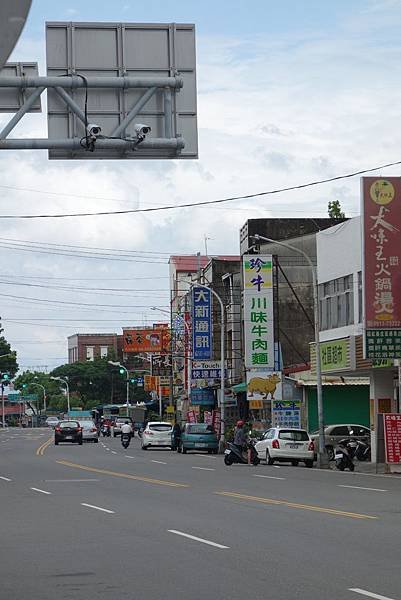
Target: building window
[(336, 303), (103, 351), (90, 352)]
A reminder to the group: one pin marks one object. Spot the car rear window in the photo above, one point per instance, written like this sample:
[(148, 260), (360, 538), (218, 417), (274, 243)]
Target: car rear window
[(69, 424), (160, 427), (199, 428), (295, 435)]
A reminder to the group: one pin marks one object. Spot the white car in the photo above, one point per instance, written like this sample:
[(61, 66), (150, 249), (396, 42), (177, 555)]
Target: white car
[(286, 445), (89, 431), (52, 422), (157, 435)]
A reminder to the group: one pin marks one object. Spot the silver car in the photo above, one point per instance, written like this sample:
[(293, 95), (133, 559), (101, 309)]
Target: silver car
[(334, 433), (89, 431)]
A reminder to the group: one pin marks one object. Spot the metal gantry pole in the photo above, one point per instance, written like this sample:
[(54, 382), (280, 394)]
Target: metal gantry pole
[(322, 455)]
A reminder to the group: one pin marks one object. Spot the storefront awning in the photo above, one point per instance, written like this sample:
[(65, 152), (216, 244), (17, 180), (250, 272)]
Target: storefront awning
[(240, 387)]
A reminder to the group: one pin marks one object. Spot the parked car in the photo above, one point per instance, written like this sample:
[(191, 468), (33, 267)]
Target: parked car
[(116, 427), (89, 431), (286, 445), (68, 431), (198, 436), (52, 421), (157, 434), (334, 433)]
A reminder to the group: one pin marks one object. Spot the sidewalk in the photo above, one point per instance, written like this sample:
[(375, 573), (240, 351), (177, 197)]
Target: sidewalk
[(368, 468)]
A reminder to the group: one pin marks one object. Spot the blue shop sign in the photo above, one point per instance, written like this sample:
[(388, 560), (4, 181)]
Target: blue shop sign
[(202, 348), (202, 397)]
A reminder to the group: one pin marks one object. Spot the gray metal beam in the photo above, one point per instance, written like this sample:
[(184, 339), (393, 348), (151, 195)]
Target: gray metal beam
[(75, 81), (71, 103), (134, 111), (22, 111), (101, 144), (168, 122)]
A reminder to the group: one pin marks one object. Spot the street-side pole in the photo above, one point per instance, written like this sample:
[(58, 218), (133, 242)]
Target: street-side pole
[(127, 393), (322, 455), (2, 405)]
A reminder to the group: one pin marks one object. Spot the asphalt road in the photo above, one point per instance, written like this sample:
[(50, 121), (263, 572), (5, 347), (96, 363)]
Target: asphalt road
[(79, 521)]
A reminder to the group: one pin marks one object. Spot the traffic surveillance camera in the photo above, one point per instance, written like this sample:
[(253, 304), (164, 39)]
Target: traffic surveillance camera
[(142, 130), (93, 130)]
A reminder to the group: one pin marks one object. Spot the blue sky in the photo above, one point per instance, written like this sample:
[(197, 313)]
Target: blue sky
[(288, 91)]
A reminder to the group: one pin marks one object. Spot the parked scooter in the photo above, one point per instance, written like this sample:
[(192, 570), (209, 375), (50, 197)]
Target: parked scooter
[(344, 455), (361, 450), (125, 440), (233, 454)]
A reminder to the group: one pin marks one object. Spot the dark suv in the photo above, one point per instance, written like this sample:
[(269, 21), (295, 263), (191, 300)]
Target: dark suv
[(68, 431)]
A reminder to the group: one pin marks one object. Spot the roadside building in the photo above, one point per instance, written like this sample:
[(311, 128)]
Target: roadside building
[(89, 346)]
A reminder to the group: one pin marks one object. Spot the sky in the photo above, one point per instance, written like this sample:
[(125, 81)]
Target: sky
[(289, 92)]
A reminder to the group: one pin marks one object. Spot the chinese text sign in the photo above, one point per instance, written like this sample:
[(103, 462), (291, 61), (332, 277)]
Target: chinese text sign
[(392, 437), (202, 323)]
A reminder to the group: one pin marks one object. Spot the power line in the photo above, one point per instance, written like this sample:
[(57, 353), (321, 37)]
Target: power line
[(205, 202)]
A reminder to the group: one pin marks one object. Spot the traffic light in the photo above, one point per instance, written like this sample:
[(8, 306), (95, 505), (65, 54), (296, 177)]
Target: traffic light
[(24, 385), (132, 380), (5, 378), (122, 371)]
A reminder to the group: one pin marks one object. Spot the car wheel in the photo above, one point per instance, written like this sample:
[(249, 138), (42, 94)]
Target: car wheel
[(184, 450), (215, 450), (144, 447), (179, 449), (80, 442), (309, 463), (269, 459), (228, 460), (294, 463), (330, 452), (96, 441), (352, 467)]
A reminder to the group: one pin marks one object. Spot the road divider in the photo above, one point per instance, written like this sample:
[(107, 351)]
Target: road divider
[(40, 451), (122, 475), (198, 539), (296, 505)]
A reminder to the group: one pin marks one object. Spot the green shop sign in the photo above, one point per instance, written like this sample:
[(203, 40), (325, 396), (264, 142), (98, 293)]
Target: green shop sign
[(334, 355)]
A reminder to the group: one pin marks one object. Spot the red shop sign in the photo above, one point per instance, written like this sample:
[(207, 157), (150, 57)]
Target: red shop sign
[(392, 437)]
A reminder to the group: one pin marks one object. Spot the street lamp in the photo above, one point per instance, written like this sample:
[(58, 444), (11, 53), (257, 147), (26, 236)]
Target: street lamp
[(122, 369), (67, 388), (187, 327), (44, 394), (323, 462)]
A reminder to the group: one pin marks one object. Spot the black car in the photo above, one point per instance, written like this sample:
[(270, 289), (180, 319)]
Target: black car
[(68, 431)]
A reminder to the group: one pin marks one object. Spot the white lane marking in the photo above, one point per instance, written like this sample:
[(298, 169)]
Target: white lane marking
[(126, 456), (204, 455), (276, 466), (355, 487), (5, 478), (197, 539), (369, 594), (108, 449), (69, 480), (113, 452), (41, 491), (106, 510), (159, 462), (269, 477), (203, 468)]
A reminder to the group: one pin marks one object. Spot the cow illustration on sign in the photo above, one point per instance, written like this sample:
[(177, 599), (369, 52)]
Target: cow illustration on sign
[(264, 386)]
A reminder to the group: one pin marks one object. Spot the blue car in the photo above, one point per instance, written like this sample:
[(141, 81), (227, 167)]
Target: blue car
[(198, 436)]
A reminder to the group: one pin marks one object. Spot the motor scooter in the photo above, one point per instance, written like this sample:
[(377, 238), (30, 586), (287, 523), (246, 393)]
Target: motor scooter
[(232, 454), (344, 454), (361, 450), (105, 430), (125, 440)]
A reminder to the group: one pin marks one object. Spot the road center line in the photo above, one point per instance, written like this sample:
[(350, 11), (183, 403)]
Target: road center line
[(126, 456), (113, 452), (329, 511), (41, 491), (269, 477), (369, 489), (159, 462), (5, 478), (106, 510), (197, 539), (203, 468), (69, 480), (369, 594)]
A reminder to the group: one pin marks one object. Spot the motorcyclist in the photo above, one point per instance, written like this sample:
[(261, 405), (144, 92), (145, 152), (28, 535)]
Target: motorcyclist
[(240, 439), (176, 436), (126, 429)]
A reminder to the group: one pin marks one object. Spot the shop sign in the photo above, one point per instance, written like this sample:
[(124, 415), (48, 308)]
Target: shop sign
[(229, 398), (392, 437), (207, 369), (161, 365), (255, 404), (258, 311), (286, 413), (380, 363), (382, 261), (151, 383), (216, 422), (202, 397), (335, 355), (208, 417), (145, 340), (263, 385), (383, 343), (202, 323), (192, 416)]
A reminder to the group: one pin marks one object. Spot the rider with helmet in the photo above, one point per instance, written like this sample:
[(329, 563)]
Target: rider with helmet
[(240, 439)]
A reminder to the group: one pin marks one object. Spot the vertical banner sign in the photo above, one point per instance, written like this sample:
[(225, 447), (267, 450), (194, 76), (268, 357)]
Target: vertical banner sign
[(392, 437), (382, 266), (216, 422), (201, 323), (286, 413), (258, 311)]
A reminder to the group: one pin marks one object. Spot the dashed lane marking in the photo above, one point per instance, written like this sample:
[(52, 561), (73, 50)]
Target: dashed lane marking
[(106, 510), (356, 487), (5, 478), (40, 491), (198, 539), (159, 462), (369, 594), (203, 469), (269, 477)]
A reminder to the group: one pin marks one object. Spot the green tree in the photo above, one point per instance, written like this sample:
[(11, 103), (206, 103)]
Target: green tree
[(27, 382), (334, 209), (8, 357)]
